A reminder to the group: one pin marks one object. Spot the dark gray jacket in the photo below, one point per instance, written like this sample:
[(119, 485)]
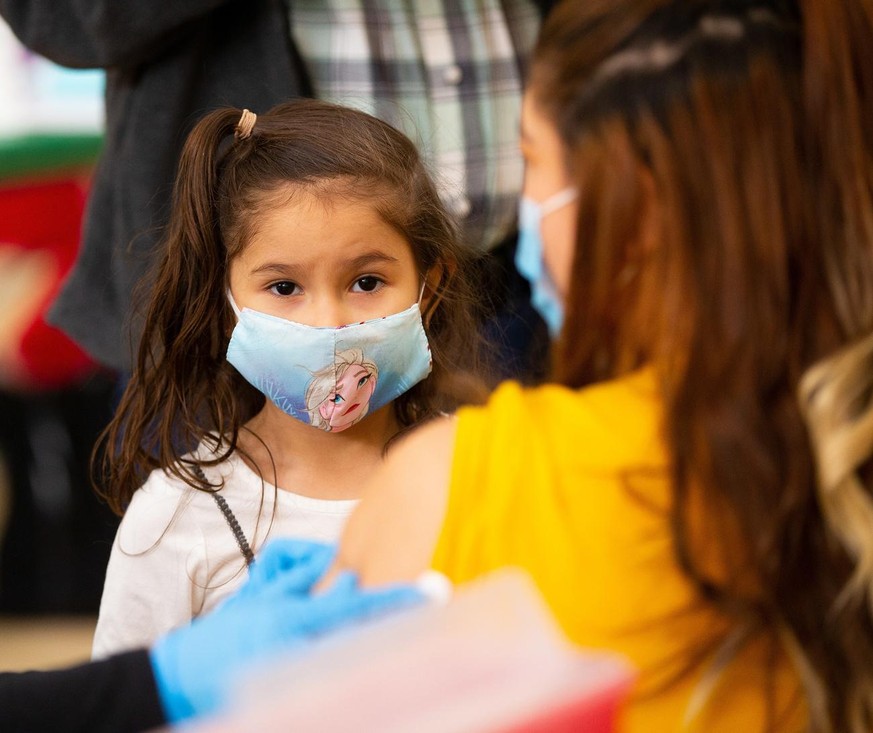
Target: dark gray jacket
[(167, 64)]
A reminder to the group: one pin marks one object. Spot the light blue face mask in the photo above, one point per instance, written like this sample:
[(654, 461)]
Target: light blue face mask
[(529, 257), (330, 378)]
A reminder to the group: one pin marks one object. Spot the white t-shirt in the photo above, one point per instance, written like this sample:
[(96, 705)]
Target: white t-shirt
[(175, 557)]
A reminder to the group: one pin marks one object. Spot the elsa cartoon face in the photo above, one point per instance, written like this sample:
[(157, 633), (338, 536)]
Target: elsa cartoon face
[(339, 394), (350, 401)]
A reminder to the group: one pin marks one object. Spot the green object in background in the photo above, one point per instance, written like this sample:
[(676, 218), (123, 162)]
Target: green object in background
[(29, 155)]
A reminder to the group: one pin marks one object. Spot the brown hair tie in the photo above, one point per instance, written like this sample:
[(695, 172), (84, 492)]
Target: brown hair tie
[(245, 125)]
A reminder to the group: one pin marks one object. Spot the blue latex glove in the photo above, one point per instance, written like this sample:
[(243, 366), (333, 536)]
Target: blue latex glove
[(195, 666)]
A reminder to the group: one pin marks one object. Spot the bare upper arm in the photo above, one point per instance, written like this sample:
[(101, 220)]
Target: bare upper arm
[(392, 534)]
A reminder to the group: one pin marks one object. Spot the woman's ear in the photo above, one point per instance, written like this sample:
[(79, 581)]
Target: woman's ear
[(435, 281)]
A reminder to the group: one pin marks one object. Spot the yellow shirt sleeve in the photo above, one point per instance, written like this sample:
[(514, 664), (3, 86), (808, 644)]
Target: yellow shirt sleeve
[(573, 487), (539, 481)]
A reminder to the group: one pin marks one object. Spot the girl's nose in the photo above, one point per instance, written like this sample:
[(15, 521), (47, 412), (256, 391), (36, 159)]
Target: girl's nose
[(328, 312)]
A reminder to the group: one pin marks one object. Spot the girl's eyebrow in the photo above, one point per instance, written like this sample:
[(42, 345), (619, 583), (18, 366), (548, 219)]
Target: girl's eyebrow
[(285, 269), (279, 268), (370, 258)]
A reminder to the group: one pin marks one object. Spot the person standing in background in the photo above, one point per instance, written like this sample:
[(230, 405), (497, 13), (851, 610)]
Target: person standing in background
[(447, 73)]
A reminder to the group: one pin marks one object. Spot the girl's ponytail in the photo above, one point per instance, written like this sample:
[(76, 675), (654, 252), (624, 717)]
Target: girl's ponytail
[(169, 404), (194, 197), (195, 255)]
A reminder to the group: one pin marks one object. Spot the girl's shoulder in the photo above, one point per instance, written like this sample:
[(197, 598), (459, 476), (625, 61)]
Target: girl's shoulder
[(164, 483), (154, 508), (166, 505)]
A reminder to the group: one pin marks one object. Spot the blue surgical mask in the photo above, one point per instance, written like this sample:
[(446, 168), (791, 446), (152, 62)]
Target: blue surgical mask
[(529, 259), (330, 378)]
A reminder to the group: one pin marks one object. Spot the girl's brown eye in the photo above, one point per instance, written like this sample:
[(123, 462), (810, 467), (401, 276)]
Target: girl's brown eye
[(284, 288), (368, 284)]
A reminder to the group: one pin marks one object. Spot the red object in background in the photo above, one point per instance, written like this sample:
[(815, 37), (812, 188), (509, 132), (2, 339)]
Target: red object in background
[(593, 713), (43, 217)]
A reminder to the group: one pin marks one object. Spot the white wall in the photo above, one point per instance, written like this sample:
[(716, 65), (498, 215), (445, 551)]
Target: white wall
[(37, 96)]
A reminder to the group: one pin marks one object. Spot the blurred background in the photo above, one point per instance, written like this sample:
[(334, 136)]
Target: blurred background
[(55, 535)]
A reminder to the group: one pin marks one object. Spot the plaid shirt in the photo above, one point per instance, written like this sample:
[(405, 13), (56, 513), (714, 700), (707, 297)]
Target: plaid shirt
[(448, 73)]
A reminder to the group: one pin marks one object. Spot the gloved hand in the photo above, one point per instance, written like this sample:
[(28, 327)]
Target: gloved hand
[(195, 666)]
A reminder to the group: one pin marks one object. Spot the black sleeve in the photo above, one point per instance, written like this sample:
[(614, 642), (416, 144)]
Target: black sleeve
[(102, 33), (116, 695)]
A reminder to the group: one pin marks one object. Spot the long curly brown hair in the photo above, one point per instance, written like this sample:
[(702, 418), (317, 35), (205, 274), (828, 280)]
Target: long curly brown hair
[(182, 390), (751, 126)]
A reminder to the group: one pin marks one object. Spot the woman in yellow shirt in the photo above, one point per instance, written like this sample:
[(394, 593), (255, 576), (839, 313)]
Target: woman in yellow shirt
[(697, 492)]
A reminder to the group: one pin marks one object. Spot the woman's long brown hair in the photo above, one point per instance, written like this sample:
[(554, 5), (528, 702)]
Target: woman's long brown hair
[(745, 131), (182, 390)]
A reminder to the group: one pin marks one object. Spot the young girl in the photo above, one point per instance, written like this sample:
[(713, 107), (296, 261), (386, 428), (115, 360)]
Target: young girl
[(696, 491), (306, 238)]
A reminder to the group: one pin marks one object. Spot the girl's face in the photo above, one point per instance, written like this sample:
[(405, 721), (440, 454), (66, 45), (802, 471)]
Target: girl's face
[(324, 261), (545, 175)]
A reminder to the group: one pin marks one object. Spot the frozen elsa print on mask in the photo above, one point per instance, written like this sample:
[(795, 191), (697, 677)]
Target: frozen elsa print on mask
[(330, 378), (339, 395)]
